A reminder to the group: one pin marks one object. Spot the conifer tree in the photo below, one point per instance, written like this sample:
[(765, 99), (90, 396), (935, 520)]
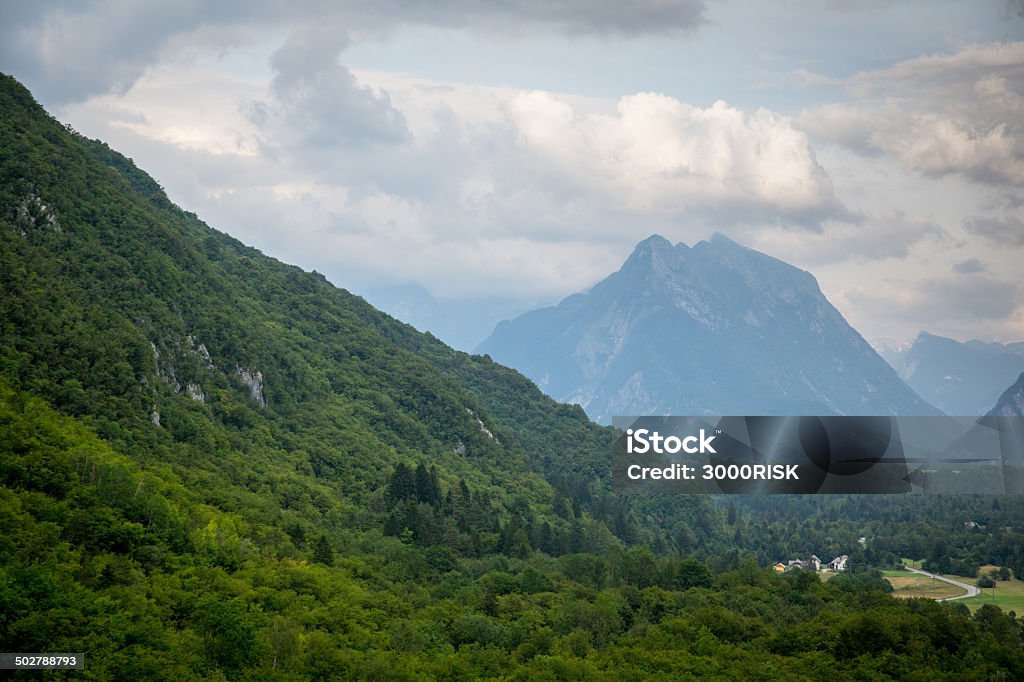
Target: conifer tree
[(323, 553)]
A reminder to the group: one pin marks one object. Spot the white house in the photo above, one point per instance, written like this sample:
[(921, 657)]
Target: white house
[(839, 563)]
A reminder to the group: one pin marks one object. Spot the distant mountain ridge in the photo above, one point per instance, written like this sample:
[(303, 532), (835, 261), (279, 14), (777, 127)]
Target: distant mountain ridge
[(1011, 402), (959, 378), (715, 328), (460, 323), (892, 350)]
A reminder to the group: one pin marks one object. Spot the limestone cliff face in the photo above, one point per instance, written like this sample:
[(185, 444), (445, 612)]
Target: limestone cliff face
[(35, 214), (183, 364), (253, 380), (715, 328), (195, 392)]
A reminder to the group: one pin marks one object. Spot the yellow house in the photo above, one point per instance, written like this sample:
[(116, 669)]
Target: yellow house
[(779, 567)]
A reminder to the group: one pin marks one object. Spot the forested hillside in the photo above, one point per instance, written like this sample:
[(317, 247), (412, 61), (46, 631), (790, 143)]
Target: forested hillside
[(214, 465), (182, 346)]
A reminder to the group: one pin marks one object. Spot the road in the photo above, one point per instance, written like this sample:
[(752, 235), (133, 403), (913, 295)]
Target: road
[(972, 591)]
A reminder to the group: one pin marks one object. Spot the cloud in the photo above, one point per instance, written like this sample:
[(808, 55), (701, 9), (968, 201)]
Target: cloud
[(316, 107), (960, 113), (922, 75), (1008, 231), (657, 154), (941, 301), (848, 126), (372, 239), (361, 175), (892, 234), (66, 52), (601, 17), (970, 266)]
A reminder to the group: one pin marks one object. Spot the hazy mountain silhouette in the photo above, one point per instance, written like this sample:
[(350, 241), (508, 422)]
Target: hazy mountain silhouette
[(715, 328), (1011, 403), (958, 378)]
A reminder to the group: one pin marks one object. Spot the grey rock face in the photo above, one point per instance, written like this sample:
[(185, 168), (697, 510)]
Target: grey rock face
[(35, 214), (253, 380), (195, 392)]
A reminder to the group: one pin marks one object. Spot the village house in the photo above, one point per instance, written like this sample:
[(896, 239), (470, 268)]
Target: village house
[(811, 563)]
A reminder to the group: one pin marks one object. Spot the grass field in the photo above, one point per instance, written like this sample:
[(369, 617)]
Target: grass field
[(1009, 594), (906, 585)]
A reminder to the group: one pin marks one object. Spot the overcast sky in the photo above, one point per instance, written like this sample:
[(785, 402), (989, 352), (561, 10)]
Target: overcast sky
[(522, 148)]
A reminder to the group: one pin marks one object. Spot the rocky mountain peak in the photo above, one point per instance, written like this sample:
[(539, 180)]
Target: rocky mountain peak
[(716, 328)]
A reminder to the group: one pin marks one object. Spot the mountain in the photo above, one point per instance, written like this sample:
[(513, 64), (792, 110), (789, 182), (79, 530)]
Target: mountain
[(460, 323), (959, 378), (892, 351), (716, 328), (1011, 402)]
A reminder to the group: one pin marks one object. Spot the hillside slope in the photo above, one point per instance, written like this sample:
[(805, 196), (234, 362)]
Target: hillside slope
[(265, 389), (163, 333)]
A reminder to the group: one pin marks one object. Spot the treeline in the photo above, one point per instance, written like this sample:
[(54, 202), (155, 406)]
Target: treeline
[(952, 533), (465, 521)]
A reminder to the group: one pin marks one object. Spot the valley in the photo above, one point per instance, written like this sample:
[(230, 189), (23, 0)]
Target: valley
[(215, 465)]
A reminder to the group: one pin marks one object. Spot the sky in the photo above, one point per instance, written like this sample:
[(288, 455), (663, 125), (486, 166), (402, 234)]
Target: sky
[(522, 148)]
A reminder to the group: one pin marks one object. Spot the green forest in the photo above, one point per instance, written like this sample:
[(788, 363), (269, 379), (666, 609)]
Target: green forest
[(217, 466)]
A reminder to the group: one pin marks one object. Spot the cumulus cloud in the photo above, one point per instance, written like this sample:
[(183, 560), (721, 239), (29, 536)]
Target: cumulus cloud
[(657, 154), (960, 113), (69, 51), (1008, 231), (361, 175)]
